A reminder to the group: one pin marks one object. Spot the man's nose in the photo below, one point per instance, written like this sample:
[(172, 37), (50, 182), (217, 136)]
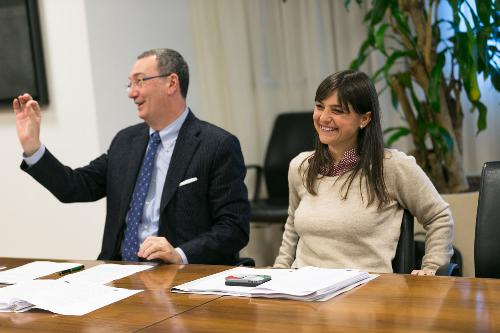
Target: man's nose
[(132, 92)]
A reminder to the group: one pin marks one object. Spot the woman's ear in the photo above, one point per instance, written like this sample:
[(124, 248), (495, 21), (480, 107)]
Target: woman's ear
[(365, 119)]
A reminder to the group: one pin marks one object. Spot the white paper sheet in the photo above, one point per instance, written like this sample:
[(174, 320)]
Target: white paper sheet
[(309, 280), (34, 270), (307, 283), (105, 273), (61, 297)]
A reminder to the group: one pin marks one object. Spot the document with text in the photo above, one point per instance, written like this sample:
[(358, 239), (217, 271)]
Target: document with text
[(104, 273), (59, 296), (306, 283), (34, 270)]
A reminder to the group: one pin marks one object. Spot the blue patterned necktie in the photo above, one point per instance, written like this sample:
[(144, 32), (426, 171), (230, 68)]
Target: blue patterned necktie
[(134, 216)]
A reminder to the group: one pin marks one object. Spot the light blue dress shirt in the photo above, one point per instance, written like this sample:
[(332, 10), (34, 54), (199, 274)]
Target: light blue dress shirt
[(151, 213)]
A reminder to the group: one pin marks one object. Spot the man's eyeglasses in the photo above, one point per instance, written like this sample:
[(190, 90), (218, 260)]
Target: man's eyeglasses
[(139, 82)]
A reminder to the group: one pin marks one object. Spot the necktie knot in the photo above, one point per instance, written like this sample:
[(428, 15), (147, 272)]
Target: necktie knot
[(155, 138)]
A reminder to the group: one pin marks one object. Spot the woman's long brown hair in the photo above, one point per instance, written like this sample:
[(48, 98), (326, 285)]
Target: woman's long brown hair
[(357, 90)]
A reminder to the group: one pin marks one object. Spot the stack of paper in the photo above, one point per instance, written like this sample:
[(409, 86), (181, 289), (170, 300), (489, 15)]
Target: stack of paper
[(73, 294), (59, 296), (307, 283)]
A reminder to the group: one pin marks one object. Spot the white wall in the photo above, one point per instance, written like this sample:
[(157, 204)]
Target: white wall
[(33, 222), (120, 30), (89, 48)]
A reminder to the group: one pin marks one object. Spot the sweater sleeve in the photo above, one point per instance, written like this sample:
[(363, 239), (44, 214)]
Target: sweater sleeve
[(415, 191), (288, 248)]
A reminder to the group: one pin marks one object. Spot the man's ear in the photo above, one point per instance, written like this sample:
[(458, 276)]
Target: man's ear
[(172, 84)]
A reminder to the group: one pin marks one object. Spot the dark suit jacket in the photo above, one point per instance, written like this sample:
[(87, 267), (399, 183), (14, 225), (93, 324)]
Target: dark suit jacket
[(208, 219)]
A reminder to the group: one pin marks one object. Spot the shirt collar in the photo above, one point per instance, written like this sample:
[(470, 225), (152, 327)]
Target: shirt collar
[(171, 131), (349, 160)]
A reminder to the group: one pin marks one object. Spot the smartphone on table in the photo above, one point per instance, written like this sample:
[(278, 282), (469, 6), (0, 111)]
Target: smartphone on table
[(251, 280)]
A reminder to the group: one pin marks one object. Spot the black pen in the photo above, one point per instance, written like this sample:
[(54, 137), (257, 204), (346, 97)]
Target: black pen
[(72, 270)]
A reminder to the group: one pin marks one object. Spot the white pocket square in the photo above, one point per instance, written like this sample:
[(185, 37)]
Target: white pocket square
[(188, 181)]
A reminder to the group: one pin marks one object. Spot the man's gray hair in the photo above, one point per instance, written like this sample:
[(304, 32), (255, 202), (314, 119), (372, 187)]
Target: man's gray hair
[(170, 61)]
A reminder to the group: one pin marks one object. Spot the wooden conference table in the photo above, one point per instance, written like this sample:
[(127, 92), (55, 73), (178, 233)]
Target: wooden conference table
[(390, 303)]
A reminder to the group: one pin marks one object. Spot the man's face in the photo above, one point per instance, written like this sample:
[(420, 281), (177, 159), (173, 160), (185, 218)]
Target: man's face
[(150, 96)]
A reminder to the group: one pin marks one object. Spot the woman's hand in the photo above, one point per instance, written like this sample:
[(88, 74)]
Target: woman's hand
[(422, 272)]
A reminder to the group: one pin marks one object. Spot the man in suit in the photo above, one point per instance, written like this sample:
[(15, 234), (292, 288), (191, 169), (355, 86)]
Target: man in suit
[(174, 184)]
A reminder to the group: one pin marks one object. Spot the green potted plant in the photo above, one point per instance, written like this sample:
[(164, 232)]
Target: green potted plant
[(429, 61)]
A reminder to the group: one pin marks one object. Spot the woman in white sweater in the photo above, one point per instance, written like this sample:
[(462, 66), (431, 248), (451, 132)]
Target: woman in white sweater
[(347, 197)]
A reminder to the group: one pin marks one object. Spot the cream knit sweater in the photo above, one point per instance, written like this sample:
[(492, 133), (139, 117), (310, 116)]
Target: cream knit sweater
[(324, 230)]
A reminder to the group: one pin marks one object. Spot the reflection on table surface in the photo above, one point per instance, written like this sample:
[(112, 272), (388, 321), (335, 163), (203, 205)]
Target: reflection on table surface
[(390, 303)]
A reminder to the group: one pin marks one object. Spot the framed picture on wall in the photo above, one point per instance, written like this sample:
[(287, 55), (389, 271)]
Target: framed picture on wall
[(22, 67)]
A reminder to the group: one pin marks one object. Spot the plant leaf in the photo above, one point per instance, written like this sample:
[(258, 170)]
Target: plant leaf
[(362, 54), (467, 48), (379, 38), (402, 23), (495, 79), (405, 79), (438, 134), (484, 10), (379, 8), (447, 138), (390, 61), (368, 16), (435, 82), (398, 133), (483, 50), (473, 92), (416, 102), (394, 98), (482, 118)]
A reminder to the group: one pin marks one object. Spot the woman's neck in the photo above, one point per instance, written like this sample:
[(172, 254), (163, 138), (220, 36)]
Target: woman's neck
[(338, 154)]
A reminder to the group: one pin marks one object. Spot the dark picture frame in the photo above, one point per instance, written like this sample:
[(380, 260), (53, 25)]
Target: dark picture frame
[(22, 67)]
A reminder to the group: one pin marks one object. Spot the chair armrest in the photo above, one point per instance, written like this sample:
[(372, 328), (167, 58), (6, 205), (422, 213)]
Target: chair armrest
[(450, 269), (258, 179), (246, 261)]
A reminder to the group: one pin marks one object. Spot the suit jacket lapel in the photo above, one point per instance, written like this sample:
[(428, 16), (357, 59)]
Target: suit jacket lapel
[(186, 145), (136, 151)]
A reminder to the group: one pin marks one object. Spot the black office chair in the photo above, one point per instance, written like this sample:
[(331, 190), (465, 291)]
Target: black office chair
[(486, 242), (404, 260), (245, 261), (292, 134)]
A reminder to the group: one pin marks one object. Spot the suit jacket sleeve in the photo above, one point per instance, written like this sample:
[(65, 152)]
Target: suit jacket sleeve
[(229, 209), (79, 185)]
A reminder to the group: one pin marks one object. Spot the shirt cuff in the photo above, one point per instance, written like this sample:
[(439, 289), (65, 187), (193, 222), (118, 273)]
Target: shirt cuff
[(183, 256), (33, 159)]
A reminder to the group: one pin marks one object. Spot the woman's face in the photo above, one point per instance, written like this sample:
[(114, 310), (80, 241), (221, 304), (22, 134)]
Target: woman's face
[(336, 127)]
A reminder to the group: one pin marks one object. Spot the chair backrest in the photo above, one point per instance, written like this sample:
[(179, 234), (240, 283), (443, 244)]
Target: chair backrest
[(404, 260), (292, 134), (487, 241)]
